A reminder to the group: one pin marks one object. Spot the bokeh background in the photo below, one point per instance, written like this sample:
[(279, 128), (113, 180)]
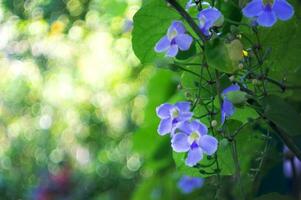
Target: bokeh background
[(71, 95)]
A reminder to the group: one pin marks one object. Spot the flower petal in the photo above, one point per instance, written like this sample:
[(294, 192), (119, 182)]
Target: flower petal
[(184, 116), (287, 169), (283, 9), (176, 26), (209, 144), (223, 117), (231, 88), (227, 110), (165, 126), (184, 41), (190, 4), (187, 184), (185, 127), (211, 15), (297, 163), (253, 9), (199, 126), (194, 156), (162, 45), (163, 111), (267, 18), (179, 142), (183, 106), (172, 51)]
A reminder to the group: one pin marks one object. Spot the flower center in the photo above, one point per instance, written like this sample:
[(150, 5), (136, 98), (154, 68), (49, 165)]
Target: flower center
[(175, 113), (172, 34), (194, 136), (268, 3)]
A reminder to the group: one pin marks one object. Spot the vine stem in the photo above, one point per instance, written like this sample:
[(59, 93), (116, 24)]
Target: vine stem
[(233, 142)]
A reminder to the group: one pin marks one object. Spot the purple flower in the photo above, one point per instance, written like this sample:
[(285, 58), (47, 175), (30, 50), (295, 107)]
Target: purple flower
[(175, 39), (227, 107), (290, 163), (208, 18), (187, 184), (192, 138), (171, 115), (267, 14), (190, 3)]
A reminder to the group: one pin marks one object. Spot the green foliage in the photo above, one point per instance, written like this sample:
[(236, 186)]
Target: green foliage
[(282, 114), (150, 25), (283, 39), (222, 56), (160, 88), (273, 196)]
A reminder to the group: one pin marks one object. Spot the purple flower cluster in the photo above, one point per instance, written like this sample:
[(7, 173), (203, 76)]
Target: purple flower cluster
[(188, 184), (264, 14), (177, 38), (187, 135)]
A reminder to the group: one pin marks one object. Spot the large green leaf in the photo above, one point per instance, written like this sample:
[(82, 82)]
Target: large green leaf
[(243, 114), (285, 42), (150, 24), (282, 114)]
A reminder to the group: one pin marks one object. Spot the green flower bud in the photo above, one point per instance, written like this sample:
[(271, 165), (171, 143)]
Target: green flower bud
[(237, 97), (213, 123)]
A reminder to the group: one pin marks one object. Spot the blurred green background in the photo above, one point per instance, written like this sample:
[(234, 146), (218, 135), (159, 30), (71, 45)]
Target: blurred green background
[(77, 109), (71, 94)]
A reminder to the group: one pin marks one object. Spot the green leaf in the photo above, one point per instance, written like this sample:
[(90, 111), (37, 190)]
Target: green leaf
[(150, 25), (243, 114), (282, 114), (224, 57), (284, 40), (273, 196)]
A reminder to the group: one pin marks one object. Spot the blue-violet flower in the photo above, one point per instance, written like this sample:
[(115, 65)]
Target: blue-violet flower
[(192, 137), (171, 115), (267, 14), (190, 3), (175, 39), (208, 18), (227, 107), (188, 184)]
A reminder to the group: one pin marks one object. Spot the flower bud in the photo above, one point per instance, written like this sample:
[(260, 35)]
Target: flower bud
[(240, 66), (213, 123), (232, 78), (237, 97), (255, 82)]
